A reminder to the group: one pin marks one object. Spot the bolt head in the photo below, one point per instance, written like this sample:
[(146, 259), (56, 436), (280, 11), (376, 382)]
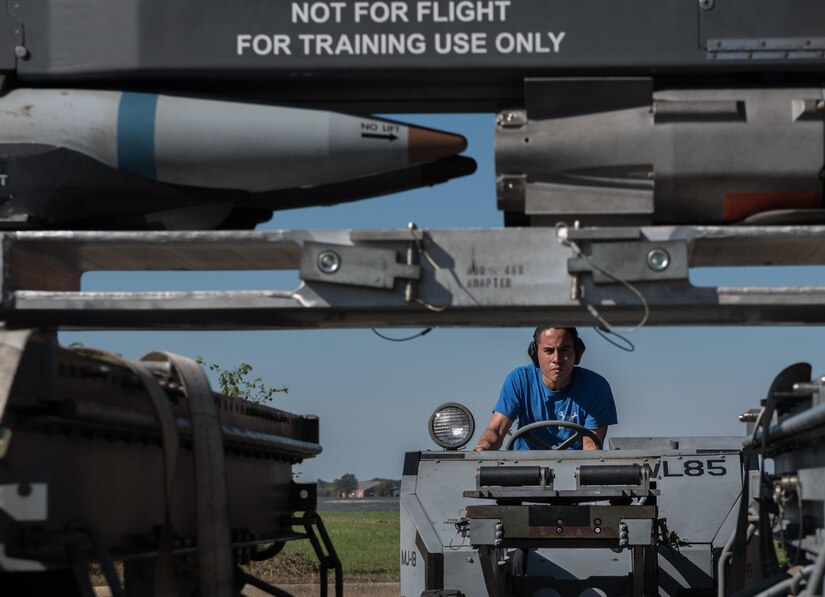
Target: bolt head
[(329, 262), (658, 259)]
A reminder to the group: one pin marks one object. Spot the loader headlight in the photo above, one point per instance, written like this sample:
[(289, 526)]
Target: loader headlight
[(452, 425)]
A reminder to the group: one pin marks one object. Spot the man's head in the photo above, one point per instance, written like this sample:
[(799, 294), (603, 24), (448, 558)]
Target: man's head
[(556, 351)]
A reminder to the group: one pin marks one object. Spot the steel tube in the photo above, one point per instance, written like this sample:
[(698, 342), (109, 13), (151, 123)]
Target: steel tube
[(234, 437), (800, 423)]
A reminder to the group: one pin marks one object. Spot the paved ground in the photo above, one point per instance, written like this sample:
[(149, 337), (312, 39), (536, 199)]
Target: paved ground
[(374, 504), (377, 589)]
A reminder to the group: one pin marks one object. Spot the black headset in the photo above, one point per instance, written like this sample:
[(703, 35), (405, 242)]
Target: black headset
[(533, 351)]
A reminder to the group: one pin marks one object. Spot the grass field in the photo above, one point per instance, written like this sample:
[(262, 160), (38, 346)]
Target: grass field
[(366, 542)]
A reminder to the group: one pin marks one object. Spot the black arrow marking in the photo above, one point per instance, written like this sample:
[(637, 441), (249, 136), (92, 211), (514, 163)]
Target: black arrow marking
[(389, 137)]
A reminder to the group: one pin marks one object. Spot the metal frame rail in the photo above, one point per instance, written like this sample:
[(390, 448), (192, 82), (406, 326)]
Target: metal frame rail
[(413, 277), (316, 533)]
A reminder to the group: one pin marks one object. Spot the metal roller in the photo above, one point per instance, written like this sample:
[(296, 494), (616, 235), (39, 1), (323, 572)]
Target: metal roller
[(513, 476), (625, 474)]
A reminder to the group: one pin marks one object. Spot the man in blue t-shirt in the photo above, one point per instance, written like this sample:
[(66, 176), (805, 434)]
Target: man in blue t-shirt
[(553, 388)]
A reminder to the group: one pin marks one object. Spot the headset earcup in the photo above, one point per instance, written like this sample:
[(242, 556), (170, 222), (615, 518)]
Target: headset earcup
[(580, 348), (533, 353)]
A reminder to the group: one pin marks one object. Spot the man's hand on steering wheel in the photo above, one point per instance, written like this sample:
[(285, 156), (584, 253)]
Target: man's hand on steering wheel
[(580, 433)]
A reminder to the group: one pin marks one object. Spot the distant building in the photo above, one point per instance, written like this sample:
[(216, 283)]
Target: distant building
[(365, 489)]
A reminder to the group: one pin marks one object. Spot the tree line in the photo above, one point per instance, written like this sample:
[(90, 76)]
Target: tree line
[(347, 484)]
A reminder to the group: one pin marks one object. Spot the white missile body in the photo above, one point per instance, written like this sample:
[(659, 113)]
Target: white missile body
[(217, 144)]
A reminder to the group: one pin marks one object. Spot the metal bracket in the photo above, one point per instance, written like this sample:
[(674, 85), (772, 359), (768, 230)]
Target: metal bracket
[(511, 118), (639, 261), (13, 46), (354, 266), (486, 531), (785, 48), (24, 499), (635, 531)]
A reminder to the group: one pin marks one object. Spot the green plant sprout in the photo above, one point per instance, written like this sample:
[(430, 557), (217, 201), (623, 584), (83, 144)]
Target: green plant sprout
[(235, 382)]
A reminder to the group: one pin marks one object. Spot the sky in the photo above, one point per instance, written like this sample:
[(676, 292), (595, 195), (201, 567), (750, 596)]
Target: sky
[(374, 397)]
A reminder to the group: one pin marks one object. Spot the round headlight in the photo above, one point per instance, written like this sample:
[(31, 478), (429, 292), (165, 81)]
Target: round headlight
[(452, 425)]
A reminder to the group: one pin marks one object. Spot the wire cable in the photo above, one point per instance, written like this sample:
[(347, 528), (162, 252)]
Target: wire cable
[(561, 236), (413, 337), (462, 529), (625, 343)]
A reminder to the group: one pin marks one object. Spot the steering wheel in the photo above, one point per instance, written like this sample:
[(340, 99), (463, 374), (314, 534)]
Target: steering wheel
[(580, 433)]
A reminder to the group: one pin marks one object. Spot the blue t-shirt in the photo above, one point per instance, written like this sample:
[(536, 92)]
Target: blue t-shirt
[(587, 400)]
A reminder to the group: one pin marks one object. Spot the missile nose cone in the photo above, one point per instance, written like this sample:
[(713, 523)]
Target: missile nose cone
[(426, 145)]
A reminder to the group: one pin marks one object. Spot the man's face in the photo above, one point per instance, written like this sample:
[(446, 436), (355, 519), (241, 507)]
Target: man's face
[(557, 357)]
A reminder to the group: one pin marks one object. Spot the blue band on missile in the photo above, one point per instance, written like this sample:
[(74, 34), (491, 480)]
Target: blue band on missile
[(136, 133)]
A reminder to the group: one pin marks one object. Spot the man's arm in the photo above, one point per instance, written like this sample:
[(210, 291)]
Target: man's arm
[(589, 444), (493, 436)]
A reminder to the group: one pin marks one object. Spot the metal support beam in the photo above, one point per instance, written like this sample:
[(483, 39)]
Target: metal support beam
[(399, 278)]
